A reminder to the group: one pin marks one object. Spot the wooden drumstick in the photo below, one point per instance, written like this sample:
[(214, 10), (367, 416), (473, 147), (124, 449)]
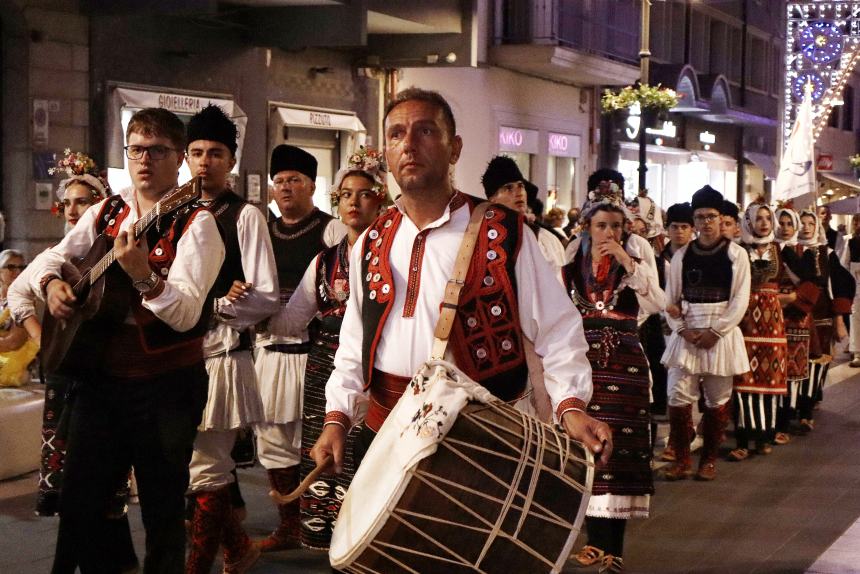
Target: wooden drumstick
[(305, 485)]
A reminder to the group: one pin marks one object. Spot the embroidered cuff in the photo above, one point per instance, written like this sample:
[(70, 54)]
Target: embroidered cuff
[(336, 418), (571, 404), (715, 332), (43, 284)]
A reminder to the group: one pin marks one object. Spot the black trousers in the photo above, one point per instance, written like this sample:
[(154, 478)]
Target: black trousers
[(149, 424)]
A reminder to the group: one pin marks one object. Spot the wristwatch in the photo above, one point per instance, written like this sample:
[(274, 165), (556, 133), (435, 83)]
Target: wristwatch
[(147, 284)]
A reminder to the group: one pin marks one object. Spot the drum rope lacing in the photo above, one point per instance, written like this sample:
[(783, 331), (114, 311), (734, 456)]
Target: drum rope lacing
[(535, 439)]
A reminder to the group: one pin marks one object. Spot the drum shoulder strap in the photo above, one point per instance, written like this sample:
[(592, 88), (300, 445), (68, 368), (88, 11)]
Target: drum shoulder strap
[(456, 282)]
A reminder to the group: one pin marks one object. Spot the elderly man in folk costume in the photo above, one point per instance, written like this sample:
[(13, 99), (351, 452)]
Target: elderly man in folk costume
[(298, 235), (406, 258), (707, 293), (246, 292), (359, 192)]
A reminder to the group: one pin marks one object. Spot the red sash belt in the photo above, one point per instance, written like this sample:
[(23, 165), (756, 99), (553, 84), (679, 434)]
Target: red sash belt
[(126, 357), (385, 391)]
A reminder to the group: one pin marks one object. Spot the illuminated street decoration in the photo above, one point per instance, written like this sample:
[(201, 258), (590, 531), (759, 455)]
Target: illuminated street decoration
[(822, 47)]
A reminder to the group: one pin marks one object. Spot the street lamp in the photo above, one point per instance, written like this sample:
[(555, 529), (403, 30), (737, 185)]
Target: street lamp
[(644, 72)]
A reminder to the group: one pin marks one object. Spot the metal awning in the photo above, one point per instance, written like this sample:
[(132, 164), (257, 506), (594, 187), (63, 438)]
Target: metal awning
[(842, 179), (847, 206), (767, 163)]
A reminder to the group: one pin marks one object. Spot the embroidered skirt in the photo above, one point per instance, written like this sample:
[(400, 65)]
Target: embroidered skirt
[(321, 503), (621, 382), (53, 447), (763, 328), (797, 333)]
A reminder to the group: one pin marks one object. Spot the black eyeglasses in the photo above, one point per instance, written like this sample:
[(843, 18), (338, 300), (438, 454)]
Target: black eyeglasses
[(12, 267), (156, 152)]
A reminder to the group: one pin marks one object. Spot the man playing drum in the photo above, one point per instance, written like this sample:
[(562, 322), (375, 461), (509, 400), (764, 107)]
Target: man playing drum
[(406, 258)]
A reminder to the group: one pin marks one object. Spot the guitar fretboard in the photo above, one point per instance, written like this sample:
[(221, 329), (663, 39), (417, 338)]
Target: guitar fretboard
[(139, 227), (180, 196)]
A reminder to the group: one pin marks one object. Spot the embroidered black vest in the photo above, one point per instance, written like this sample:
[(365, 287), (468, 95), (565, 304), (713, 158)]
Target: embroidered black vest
[(706, 275), (332, 279), (163, 238), (486, 338), (226, 209), (296, 245)]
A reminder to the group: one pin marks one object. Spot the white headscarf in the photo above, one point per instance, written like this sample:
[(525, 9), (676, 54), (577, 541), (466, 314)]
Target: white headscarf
[(791, 241), (652, 215), (818, 238), (748, 234)]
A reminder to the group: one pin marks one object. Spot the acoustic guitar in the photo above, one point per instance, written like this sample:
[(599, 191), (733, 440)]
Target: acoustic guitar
[(76, 345)]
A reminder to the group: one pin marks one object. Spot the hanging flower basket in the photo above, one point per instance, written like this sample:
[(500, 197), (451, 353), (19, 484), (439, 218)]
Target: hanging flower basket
[(654, 98)]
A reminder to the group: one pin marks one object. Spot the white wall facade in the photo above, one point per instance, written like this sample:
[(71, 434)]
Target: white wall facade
[(488, 98)]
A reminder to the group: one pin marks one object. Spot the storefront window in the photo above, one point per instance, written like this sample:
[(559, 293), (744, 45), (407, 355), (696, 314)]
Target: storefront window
[(654, 180), (560, 179)]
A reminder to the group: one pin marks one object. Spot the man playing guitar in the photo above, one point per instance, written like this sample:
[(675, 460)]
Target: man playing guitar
[(139, 405)]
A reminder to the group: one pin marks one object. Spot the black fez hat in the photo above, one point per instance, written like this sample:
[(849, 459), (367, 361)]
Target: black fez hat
[(605, 174), (500, 170), (730, 208), (679, 213), (708, 197), (292, 158), (212, 124)]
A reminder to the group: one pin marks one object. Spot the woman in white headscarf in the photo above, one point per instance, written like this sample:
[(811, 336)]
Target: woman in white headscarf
[(755, 394), (836, 294)]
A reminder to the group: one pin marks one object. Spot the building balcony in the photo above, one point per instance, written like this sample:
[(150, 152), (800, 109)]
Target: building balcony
[(570, 41)]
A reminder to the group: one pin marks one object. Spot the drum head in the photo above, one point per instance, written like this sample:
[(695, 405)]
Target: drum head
[(412, 432)]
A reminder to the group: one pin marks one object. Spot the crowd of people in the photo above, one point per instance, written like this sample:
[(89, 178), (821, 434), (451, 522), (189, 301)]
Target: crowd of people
[(230, 320)]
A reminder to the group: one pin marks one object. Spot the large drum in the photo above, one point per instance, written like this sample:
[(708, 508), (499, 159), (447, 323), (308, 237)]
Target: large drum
[(457, 481)]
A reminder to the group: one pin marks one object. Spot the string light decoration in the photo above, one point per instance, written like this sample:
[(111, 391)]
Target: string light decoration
[(822, 47)]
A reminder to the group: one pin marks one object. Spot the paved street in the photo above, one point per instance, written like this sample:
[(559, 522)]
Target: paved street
[(790, 512)]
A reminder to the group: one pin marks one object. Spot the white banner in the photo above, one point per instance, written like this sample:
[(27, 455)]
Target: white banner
[(796, 176)]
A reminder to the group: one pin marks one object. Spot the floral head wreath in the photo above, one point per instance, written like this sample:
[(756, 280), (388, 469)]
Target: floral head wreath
[(78, 167), (607, 193), (365, 161)]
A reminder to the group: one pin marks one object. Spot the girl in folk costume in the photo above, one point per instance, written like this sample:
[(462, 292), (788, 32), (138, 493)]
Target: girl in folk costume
[(82, 186), (610, 286), (358, 193), (763, 327), (797, 294), (836, 293)]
